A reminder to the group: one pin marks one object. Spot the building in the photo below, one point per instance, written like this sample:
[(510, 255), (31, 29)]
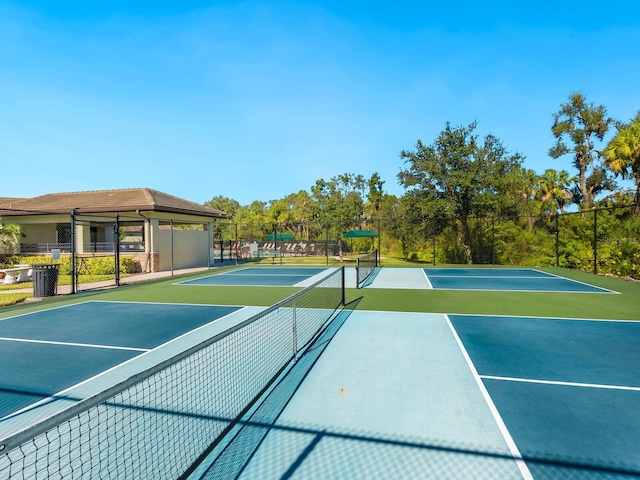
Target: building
[(160, 231)]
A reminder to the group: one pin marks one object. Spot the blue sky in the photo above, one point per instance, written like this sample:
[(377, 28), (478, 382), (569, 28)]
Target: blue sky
[(256, 100)]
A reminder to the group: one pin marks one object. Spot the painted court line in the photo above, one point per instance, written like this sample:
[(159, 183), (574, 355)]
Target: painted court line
[(511, 444), (268, 275), (565, 384), (528, 277), (426, 277), (578, 281), (72, 344), (578, 319), (525, 291), (45, 310), (64, 394)]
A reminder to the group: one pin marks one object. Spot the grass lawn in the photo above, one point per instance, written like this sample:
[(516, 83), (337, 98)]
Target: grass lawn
[(622, 306)]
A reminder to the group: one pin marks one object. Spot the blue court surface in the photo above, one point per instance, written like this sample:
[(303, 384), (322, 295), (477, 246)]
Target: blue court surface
[(45, 352), (377, 395), (260, 276), (400, 395), (505, 279)]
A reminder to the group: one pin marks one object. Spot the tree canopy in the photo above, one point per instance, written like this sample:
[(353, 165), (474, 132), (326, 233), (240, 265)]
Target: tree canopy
[(459, 175), (577, 126)]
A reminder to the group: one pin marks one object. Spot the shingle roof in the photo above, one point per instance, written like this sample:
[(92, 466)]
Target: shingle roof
[(102, 201)]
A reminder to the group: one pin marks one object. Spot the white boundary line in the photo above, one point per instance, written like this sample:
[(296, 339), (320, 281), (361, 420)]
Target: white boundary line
[(580, 319), (513, 449), (514, 290), (73, 344), (62, 393), (576, 281), (564, 384), (190, 283), (391, 312), (45, 310), (426, 277), (171, 304), (547, 276)]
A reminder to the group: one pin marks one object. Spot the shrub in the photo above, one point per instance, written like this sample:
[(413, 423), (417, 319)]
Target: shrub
[(86, 265)]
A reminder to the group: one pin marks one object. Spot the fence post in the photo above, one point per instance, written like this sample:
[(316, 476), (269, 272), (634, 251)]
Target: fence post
[(344, 299), (493, 240), (595, 241), (171, 243), (326, 243), (72, 258), (116, 232), (379, 236), (433, 239), (237, 244), (557, 241)]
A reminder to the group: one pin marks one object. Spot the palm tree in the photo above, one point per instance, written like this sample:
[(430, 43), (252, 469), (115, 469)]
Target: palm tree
[(623, 155), (553, 190)]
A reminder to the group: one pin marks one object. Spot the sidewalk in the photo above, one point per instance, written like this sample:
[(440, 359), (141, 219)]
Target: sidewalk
[(129, 280)]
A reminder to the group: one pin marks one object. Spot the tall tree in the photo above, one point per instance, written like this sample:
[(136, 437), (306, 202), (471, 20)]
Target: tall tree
[(553, 190), (523, 189), (576, 127), (339, 202), (374, 195), (622, 155), (227, 205), (458, 175)]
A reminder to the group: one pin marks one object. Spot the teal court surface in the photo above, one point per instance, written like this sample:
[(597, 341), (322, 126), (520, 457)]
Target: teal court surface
[(490, 279), (375, 395), (493, 279), (261, 276)]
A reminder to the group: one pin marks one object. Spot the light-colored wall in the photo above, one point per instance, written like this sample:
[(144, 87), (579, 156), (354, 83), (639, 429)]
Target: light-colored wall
[(190, 248), (44, 233)]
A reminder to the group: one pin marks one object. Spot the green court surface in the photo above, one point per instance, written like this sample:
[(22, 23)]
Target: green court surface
[(409, 381)]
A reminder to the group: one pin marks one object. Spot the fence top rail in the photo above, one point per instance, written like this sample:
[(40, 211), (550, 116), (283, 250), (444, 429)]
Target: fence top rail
[(32, 431)]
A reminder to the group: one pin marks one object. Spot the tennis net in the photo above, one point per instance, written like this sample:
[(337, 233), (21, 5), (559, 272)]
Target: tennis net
[(365, 266), (161, 422)]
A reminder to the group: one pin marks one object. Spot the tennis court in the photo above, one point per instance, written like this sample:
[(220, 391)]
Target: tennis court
[(522, 279), (345, 392), (262, 276), (481, 279), (50, 351), (398, 395)]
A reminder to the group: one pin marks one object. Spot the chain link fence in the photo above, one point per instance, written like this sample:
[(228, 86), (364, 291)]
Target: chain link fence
[(107, 250), (85, 252)]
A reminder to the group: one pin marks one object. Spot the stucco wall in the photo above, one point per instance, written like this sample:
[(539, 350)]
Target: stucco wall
[(190, 248)]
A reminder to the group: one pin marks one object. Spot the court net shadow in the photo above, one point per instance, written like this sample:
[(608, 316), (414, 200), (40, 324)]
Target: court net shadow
[(234, 458)]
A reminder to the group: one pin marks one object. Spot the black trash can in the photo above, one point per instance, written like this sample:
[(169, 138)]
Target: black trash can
[(45, 279)]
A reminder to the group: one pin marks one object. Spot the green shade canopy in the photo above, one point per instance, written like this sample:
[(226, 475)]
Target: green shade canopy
[(360, 234), (280, 236)]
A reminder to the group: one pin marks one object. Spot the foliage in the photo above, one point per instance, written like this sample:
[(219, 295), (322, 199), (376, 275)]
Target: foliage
[(623, 154), (457, 175), (577, 126), (10, 239), (89, 265), (467, 199)]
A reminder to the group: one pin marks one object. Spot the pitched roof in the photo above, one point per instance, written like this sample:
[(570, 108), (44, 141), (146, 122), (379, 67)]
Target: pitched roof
[(102, 201), (8, 200)]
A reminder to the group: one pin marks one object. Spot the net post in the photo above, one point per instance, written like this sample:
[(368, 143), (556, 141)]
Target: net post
[(294, 340), (343, 300), (358, 272)]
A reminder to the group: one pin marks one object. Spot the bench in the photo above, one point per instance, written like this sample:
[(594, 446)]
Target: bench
[(272, 254), (16, 274)]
